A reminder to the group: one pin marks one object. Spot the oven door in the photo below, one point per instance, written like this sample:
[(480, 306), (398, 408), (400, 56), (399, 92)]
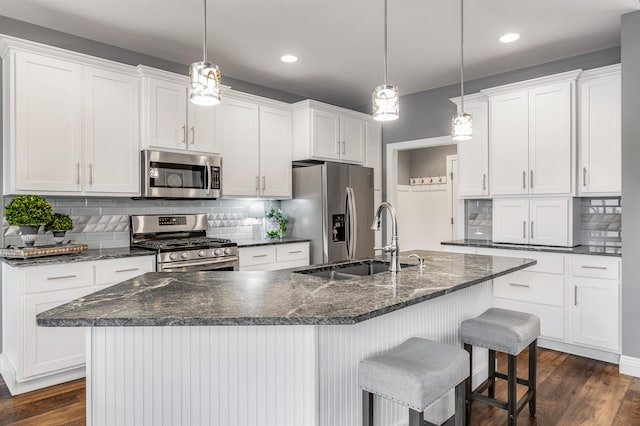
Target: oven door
[(173, 175), (223, 264)]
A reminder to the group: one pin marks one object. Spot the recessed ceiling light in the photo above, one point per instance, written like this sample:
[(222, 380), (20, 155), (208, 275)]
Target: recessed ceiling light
[(289, 58), (509, 37)]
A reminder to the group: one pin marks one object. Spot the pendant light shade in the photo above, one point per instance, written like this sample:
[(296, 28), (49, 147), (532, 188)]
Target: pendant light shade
[(385, 98), (462, 123), (204, 77)]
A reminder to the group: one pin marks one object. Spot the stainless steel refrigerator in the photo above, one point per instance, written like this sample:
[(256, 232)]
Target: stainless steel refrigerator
[(332, 205)]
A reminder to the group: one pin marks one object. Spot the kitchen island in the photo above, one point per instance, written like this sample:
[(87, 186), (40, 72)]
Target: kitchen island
[(265, 348)]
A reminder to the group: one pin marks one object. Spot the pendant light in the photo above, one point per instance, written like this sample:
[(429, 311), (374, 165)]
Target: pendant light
[(462, 126), (385, 98), (204, 87)]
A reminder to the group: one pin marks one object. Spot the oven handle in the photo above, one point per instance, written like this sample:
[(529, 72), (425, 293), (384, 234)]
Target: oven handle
[(171, 265)]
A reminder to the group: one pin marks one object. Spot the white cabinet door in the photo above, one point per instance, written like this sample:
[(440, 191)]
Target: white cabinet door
[(48, 124), (600, 135), (111, 132), (201, 125), (510, 220), (550, 124), (353, 138), (325, 134), (275, 152), (114, 271), (239, 134), (167, 114), (509, 134), (473, 154), (50, 349), (549, 222), (595, 313), (373, 153)]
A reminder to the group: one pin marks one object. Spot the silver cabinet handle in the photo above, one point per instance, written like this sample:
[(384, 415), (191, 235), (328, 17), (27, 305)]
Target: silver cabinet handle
[(264, 183), (524, 179), (531, 231), (531, 179), (78, 173), (575, 295), (295, 251), (524, 229), (593, 267), (484, 181), (344, 147), (90, 173), (192, 130), (584, 176), (260, 255), (61, 277), (257, 183), (519, 285), (127, 270), (184, 134)]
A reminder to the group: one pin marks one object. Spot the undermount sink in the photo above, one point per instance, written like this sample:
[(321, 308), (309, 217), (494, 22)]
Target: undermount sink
[(349, 270)]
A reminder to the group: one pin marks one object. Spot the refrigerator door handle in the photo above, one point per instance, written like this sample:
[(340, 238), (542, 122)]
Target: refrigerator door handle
[(353, 222), (347, 224)]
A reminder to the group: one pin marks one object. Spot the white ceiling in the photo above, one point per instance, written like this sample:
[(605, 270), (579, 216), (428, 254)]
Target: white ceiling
[(339, 42)]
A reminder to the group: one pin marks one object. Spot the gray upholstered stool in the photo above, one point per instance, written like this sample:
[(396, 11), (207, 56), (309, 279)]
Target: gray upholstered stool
[(414, 374), (510, 332)]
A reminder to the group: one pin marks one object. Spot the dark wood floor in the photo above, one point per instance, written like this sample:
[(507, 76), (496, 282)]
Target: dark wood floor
[(571, 391)]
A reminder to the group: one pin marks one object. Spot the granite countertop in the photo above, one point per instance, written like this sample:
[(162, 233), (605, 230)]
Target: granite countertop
[(85, 256), (275, 298), (590, 250), (269, 242)]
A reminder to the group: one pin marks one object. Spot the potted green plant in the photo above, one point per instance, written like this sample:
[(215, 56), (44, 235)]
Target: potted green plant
[(28, 212), (276, 217), (59, 224)]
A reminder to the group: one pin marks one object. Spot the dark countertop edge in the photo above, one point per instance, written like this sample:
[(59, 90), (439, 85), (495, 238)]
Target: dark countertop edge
[(85, 256), (581, 250), (256, 243), (251, 321)]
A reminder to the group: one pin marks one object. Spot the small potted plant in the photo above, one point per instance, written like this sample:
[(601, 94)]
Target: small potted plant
[(276, 216), (28, 212), (59, 224)]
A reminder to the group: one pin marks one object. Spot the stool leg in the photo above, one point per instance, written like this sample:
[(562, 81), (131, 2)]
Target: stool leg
[(511, 390), (492, 373), (416, 418), (461, 406), (367, 408), (468, 387), (533, 349)]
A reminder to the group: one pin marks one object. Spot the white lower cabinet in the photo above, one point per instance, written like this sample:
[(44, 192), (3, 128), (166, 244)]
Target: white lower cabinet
[(34, 357), (273, 257)]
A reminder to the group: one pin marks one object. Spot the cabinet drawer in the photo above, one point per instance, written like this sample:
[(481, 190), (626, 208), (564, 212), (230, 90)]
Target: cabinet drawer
[(58, 277), (551, 317), (595, 267), (289, 252), (250, 256), (550, 263), (117, 270), (531, 287)]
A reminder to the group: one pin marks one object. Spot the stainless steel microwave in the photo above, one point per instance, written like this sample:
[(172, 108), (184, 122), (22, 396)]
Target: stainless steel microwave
[(174, 175)]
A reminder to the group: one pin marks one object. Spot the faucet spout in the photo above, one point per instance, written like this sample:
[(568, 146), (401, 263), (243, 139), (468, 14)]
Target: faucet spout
[(393, 247)]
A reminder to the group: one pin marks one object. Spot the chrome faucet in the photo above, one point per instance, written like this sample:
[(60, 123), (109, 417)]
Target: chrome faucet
[(393, 247)]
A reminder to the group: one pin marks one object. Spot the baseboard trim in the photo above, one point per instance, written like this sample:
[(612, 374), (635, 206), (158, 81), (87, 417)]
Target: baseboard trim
[(629, 366), (8, 372), (598, 354)]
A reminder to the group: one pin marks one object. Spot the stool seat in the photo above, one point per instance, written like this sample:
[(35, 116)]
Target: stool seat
[(501, 330), (416, 373)]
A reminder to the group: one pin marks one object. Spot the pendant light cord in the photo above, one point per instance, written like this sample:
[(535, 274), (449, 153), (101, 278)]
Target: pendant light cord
[(461, 55), (385, 42), (204, 35)]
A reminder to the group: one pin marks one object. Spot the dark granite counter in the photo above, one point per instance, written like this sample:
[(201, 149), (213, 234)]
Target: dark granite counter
[(85, 256), (589, 250), (269, 242), (275, 298)]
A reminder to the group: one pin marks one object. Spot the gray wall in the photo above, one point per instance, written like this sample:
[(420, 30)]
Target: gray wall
[(430, 161), (62, 40), (404, 167), (631, 184)]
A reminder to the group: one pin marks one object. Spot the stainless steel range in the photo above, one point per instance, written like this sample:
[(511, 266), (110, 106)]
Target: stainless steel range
[(182, 243)]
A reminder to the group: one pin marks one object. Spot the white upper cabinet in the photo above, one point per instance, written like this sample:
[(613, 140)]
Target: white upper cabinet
[(510, 220), (326, 132), (170, 121), (256, 136), (600, 170), (71, 123), (532, 136), (473, 154)]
